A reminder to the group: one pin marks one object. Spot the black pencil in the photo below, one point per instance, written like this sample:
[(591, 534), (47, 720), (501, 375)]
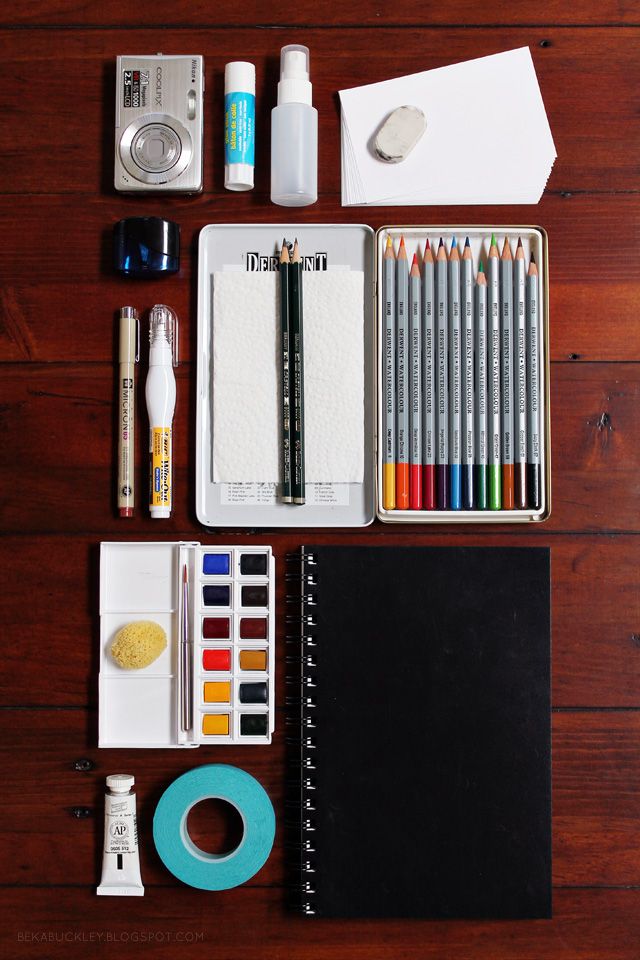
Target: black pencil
[(296, 343), (287, 494)]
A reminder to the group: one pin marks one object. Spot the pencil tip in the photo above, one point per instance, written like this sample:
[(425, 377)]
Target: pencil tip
[(415, 259), (480, 267), (389, 241), (453, 243), (402, 241), (533, 259), (466, 243), (493, 240), (441, 244), (519, 241), (427, 246)]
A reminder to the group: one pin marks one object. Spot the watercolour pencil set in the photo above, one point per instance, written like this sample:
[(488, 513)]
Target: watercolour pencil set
[(463, 376), (186, 645), (341, 427)]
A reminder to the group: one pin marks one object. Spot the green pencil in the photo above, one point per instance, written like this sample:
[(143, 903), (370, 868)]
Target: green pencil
[(296, 341), (287, 495)]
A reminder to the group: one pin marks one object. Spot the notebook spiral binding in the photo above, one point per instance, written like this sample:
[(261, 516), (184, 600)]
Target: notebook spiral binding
[(301, 660)]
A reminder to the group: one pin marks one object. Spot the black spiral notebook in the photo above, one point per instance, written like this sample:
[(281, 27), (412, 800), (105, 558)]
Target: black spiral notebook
[(425, 722)]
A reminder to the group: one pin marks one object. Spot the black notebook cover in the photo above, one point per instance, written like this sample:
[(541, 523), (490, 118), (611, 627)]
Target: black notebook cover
[(427, 772)]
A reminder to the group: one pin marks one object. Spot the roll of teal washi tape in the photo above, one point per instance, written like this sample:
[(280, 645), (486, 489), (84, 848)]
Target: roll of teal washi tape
[(178, 852)]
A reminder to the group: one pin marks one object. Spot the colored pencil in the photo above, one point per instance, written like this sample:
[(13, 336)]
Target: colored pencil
[(415, 387), (482, 494), (506, 331), (428, 406), (297, 344), (455, 380), (442, 382), (493, 366), (389, 353), (287, 490), (402, 360), (467, 297), (520, 373), (534, 471)]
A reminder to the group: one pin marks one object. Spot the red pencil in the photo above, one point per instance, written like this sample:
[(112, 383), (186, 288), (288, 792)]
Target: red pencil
[(415, 387)]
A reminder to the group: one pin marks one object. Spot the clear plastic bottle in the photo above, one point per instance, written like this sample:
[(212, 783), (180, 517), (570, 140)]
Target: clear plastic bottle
[(294, 133)]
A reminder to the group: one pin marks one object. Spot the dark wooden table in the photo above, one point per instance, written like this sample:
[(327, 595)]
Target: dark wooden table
[(59, 297)]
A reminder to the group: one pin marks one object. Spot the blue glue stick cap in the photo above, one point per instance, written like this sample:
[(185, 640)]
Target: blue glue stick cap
[(146, 247)]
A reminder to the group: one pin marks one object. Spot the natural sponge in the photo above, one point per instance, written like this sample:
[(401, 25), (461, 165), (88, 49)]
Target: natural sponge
[(138, 644)]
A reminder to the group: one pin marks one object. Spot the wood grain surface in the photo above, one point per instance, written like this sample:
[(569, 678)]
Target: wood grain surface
[(58, 302)]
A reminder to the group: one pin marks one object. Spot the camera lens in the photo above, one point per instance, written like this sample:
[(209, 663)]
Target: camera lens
[(156, 148)]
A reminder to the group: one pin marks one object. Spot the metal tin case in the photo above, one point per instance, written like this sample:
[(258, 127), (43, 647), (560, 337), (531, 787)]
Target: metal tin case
[(534, 239)]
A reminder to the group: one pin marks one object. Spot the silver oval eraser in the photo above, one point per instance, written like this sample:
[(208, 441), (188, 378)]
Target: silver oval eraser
[(399, 134)]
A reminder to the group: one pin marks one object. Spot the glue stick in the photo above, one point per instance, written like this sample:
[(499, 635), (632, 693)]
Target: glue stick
[(239, 125)]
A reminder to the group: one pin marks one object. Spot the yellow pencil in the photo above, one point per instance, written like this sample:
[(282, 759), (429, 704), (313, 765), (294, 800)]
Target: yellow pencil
[(389, 355)]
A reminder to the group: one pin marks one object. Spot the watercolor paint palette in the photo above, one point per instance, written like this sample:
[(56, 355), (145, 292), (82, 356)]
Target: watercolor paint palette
[(214, 683)]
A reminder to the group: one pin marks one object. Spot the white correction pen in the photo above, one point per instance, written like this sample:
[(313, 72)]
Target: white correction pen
[(160, 393)]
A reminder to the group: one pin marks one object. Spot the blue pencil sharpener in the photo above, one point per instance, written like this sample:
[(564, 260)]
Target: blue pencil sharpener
[(146, 247)]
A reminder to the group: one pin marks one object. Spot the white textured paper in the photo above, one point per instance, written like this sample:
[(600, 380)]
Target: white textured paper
[(487, 139), (247, 406)]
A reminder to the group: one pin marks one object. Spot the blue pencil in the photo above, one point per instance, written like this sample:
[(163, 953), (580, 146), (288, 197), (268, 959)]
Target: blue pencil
[(442, 381)]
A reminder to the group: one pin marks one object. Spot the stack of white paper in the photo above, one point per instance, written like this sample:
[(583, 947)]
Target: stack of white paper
[(487, 139)]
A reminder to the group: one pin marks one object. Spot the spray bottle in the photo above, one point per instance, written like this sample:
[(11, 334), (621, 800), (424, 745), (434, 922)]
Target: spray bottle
[(294, 133)]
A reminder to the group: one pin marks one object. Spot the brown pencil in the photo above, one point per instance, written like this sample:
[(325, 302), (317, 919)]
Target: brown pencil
[(520, 392), (506, 332)]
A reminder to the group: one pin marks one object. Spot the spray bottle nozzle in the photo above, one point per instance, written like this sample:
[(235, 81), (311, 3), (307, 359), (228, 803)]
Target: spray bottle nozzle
[(294, 85), (294, 62)]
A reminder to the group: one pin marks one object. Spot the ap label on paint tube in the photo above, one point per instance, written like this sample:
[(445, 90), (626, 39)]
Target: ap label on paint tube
[(122, 833), (239, 124)]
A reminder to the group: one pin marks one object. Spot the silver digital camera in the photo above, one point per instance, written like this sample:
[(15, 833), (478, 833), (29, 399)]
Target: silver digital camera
[(159, 107)]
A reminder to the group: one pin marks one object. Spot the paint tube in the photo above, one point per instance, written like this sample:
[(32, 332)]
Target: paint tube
[(120, 861)]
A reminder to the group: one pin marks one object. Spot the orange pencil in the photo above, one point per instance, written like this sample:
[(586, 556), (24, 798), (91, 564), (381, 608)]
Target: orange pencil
[(402, 399)]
